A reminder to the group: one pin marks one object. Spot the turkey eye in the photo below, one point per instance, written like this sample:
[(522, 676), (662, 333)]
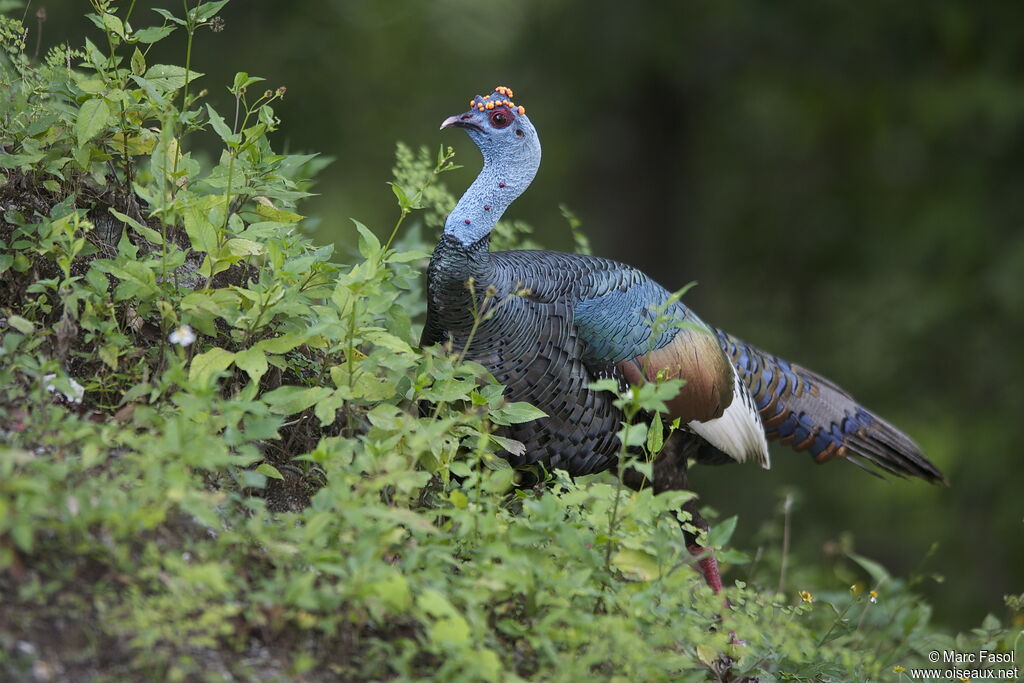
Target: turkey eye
[(500, 119)]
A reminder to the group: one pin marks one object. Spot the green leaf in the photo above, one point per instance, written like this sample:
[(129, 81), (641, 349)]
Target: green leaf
[(369, 245), (403, 199), (21, 324), (153, 33), (112, 24), (138, 62), (208, 10), (515, 413), (201, 232), (451, 630), (458, 499), (605, 385), (655, 435), (386, 340), (269, 470), (221, 128), (146, 231), (252, 362), (282, 344), (92, 118), (243, 247), (406, 256), (168, 16), (878, 573), (169, 77), (511, 445), (289, 400), (327, 410), (434, 603), (720, 533), (637, 565), (272, 213), (206, 364)]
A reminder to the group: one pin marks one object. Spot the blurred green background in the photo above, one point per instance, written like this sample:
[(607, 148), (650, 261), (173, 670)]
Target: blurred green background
[(844, 180)]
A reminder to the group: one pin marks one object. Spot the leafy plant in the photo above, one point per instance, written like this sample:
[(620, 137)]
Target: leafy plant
[(222, 455)]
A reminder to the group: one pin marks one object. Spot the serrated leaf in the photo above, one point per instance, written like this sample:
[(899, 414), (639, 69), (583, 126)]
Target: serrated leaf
[(153, 33), (206, 364), (272, 213), (92, 118), (252, 362), (138, 62), (220, 127), (289, 400), (112, 24), (327, 410), (515, 413), (201, 232), (633, 435), (207, 10), (169, 76), (386, 340), (269, 470), (514, 447), (242, 247), (637, 565), (655, 435)]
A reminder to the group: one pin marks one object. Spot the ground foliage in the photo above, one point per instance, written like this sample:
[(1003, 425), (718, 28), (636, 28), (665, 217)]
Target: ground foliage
[(301, 493)]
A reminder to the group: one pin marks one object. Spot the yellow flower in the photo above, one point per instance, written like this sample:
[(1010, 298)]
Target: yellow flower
[(899, 669), (874, 596), (806, 597)]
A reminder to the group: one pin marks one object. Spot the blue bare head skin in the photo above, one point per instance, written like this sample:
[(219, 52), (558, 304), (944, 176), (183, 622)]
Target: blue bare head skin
[(511, 151)]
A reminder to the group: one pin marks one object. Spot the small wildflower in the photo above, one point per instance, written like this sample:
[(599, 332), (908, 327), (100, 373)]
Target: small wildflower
[(874, 596), (41, 14), (182, 336), (806, 597), (899, 669), (217, 24), (281, 91)]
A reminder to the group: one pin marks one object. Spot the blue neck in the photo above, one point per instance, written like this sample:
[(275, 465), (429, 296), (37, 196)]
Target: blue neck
[(485, 201)]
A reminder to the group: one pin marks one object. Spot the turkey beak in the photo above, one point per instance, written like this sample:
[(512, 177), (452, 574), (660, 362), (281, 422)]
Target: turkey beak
[(461, 121)]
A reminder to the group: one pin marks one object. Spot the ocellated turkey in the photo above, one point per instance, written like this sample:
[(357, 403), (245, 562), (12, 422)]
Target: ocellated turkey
[(566, 320)]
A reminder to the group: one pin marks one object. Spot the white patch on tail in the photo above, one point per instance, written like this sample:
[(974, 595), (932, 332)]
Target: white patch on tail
[(738, 432)]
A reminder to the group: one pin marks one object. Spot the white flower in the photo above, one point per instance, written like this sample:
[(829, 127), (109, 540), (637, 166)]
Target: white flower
[(74, 396), (182, 336)]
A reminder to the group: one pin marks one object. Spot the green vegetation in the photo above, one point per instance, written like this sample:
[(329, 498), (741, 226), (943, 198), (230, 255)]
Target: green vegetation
[(299, 492)]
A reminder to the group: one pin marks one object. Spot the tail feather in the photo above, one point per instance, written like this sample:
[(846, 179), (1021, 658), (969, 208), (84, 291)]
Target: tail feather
[(809, 412)]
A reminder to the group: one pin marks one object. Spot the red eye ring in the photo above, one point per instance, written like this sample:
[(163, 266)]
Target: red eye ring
[(501, 118)]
